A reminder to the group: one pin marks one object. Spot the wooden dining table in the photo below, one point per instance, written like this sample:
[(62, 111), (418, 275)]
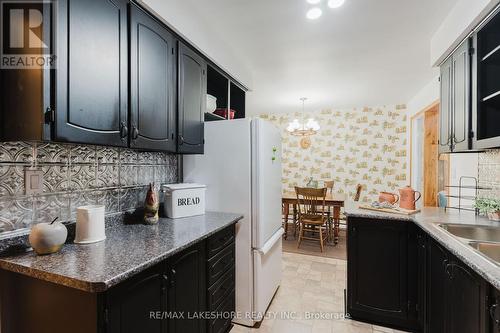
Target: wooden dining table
[(334, 200)]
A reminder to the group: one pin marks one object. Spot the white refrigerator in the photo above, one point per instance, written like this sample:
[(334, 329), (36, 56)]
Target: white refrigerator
[(242, 170)]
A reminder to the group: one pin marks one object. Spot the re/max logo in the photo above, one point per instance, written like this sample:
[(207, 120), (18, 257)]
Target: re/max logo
[(188, 201)]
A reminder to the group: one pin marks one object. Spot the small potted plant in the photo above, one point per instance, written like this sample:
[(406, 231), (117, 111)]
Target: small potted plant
[(489, 207)]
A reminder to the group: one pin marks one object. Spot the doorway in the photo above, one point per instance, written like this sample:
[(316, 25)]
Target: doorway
[(424, 155)]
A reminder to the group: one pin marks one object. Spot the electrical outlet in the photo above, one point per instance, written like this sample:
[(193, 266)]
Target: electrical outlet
[(33, 181)]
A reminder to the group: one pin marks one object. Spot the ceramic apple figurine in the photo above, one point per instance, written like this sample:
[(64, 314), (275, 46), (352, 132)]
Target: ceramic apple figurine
[(47, 238)]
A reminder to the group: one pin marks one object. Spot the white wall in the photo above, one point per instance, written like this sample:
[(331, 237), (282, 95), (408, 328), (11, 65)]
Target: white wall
[(185, 20), (425, 97), (459, 23)]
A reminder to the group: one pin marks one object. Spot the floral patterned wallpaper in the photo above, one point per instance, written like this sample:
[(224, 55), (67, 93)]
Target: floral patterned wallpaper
[(365, 146)]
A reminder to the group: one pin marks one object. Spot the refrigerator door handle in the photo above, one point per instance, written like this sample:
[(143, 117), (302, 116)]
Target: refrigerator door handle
[(270, 243)]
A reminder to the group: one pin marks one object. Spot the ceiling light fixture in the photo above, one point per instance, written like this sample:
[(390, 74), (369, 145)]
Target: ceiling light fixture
[(313, 2), (314, 13), (308, 128), (335, 3)]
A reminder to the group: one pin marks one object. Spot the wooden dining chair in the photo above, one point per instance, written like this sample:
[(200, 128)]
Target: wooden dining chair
[(356, 198), (312, 217), (289, 215), (329, 184), (359, 189)]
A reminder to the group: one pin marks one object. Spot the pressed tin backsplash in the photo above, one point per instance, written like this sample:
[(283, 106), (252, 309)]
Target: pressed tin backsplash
[(75, 175), (489, 173)]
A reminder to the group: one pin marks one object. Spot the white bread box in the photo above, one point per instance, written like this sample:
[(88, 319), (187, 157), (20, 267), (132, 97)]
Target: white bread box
[(182, 200)]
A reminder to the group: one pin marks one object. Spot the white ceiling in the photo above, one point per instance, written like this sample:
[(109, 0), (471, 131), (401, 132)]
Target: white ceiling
[(366, 53)]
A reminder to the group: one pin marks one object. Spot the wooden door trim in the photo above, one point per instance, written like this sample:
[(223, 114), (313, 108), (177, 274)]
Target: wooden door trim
[(433, 107)]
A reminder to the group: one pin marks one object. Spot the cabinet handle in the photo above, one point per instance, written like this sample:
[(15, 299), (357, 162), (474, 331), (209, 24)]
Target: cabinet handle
[(449, 271), (123, 130), (172, 278), (493, 309), (181, 140), (164, 285), (135, 133)]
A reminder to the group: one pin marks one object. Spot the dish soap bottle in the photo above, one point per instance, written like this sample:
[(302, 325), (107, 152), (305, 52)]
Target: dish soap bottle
[(151, 206)]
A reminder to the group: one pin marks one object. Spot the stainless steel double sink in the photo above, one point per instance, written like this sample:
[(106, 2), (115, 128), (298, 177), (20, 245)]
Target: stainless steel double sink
[(484, 239)]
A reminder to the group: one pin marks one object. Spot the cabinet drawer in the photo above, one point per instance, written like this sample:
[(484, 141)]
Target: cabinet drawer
[(225, 314), (220, 264), (219, 241), (219, 292)]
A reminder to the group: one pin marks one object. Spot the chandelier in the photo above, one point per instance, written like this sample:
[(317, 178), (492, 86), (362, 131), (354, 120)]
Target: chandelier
[(304, 128)]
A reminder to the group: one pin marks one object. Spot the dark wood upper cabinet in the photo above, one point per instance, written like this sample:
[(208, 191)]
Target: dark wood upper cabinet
[(455, 113), (445, 112), (152, 83), (486, 85), (461, 98), (123, 78), (91, 82), (192, 82), (377, 272)]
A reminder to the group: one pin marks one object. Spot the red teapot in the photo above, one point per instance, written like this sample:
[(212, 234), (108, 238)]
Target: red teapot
[(408, 197)]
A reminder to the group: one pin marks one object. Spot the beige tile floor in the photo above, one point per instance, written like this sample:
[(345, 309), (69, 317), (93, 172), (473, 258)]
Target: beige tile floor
[(310, 286)]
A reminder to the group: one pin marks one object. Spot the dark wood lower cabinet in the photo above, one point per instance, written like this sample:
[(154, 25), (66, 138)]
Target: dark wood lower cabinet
[(494, 311), (170, 297), (132, 307), (378, 273), (437, 259), (392, 262), (457, 297), (467, 301), (187, 292)]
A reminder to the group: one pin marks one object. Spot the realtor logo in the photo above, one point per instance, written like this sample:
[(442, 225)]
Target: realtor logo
[(27, 34)]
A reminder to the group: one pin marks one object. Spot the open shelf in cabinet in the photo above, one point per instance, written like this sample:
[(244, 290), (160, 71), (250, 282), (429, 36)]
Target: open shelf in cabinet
[(229, 94)]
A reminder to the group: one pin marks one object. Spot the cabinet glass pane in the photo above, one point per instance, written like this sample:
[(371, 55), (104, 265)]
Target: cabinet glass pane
[(488, 64), (444, 114)]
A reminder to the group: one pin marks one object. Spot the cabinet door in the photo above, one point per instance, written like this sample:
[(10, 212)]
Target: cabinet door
[(152, 77), (437, 259), (421, 277), (377, 268), (414, 274), (494, 311), (192, 101), (467, 311), (461, 97), (187, 292), (446, 107), (129, 306), (91, 77)]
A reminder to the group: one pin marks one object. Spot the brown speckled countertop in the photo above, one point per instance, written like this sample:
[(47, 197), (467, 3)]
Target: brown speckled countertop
[(127, 250), (428, 221)]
